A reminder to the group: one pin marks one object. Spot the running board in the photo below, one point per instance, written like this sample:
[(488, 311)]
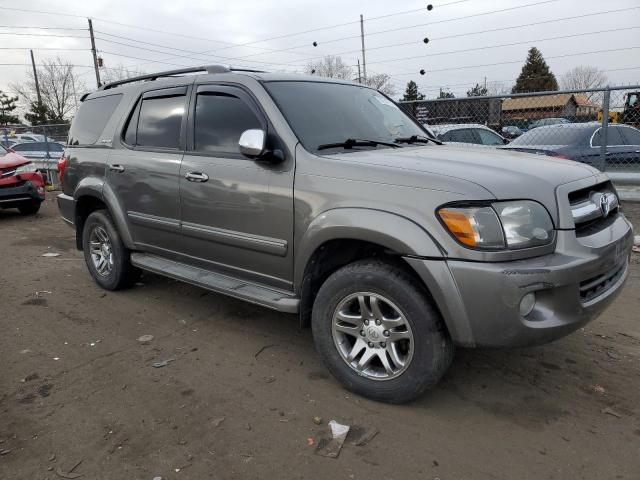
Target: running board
[(250, 292)]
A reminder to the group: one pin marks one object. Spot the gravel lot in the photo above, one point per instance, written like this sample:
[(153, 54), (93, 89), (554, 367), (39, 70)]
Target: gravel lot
[(77, 386)]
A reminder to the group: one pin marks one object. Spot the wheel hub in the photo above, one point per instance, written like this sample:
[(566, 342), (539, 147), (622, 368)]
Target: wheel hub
[(372, 335)]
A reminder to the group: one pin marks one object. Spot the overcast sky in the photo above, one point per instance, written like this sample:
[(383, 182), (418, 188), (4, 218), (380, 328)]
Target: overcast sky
[(245, 28)]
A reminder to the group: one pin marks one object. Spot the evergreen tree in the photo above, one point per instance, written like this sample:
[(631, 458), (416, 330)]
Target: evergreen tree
[(445, 94), (477, 91), (412, 93), (7, 105), (535, 75), (38, 114)]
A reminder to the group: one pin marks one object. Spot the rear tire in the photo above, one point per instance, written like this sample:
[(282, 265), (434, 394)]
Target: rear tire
[(30, 208), (405, 346), (106, 256)]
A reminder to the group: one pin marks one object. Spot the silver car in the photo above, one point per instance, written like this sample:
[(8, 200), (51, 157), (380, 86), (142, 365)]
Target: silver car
[(469, 133), (322, 198)]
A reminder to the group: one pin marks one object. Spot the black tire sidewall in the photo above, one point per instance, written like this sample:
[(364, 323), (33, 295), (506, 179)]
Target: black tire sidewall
[(112, 281), (432, 346)]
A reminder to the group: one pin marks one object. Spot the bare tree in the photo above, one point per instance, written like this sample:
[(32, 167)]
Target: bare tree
[(381, 82), (498, 88), (330, 66), (119, 72), (59, 88), (584, 77)]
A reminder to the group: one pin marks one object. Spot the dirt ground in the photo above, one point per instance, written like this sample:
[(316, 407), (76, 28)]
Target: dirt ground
[(239, 397)]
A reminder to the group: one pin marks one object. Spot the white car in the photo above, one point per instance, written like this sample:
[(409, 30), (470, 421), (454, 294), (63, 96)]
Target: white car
[(470, 133)]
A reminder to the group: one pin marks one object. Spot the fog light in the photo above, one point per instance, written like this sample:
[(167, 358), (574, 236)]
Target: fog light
[(40, 191), (527, 303)]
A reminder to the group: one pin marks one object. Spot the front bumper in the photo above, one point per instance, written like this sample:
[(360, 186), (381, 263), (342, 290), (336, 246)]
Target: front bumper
[(20, 193), (480, 302)]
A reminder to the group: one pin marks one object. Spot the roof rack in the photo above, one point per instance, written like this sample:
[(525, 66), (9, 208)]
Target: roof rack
[(172, 73)]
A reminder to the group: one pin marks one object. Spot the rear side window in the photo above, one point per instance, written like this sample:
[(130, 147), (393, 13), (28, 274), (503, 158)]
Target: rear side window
[(91, 119), (631, 136), (464, 136), (489, 138), (156, 122), (220, 119), (613, 137)]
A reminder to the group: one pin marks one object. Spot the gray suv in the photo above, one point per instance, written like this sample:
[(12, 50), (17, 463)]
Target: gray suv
[(322, 198)]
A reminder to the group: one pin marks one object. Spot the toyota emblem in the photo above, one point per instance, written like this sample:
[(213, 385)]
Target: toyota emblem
[(604, 204)]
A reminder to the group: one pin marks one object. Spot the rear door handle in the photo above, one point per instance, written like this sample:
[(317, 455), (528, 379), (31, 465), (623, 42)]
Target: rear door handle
[(197, 177), (116, 168)]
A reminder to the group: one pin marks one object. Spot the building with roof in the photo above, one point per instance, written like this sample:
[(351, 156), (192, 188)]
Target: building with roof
[(565, 105)]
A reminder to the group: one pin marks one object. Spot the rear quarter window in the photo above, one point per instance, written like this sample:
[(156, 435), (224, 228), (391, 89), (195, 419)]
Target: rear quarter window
[(91, 119)]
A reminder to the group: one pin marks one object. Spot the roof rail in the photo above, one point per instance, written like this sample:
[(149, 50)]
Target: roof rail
[(171, 73)]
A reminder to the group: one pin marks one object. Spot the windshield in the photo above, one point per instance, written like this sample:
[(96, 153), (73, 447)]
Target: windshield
[(552, 136), (323, 113)]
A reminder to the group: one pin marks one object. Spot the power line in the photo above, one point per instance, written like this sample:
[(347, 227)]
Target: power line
[(373, 33), (500, 29), (43, 48), (491, 12), (433, 88), (485, 47), (40, 28), (520, 60), (169, 48), (42, 35)]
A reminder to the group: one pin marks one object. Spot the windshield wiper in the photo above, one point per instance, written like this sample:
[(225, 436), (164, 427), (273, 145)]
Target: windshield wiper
[(356, 142), (417, 139)]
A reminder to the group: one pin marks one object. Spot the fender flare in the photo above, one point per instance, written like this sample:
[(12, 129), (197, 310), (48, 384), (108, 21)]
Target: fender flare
[(97, 188), (383, 228)]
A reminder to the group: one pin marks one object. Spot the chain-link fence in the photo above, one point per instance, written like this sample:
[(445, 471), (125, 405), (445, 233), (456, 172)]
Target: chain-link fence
[(42, 144), (598, 126)]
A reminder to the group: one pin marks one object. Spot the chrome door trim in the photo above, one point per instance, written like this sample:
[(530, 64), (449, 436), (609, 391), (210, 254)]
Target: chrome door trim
[(258, 243)]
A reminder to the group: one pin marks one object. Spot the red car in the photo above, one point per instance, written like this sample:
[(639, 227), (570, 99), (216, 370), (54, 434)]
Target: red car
[(21, 185)]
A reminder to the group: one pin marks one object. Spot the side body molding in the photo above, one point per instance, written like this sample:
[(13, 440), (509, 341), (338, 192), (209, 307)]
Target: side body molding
[(376, 226)]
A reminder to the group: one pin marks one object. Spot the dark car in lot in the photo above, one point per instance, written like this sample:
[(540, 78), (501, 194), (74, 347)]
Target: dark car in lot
[(582, 142), (545, 122), (472, 133), (21, 185)]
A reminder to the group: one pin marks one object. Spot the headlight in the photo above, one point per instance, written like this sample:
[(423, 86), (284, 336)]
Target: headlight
[(499, 225), (27, 167)]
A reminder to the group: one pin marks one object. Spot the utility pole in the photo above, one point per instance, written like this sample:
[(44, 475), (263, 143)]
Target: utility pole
[(359, 77), (35, 77), (364, 61), (95, 55)]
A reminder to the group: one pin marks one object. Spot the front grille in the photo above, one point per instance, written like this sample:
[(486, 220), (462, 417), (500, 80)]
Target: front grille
[(7, 172), (600, 284), (593, 208), (13, 185)]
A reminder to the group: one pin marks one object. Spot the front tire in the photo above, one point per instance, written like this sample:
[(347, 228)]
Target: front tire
[(379, 333), (106, 256)]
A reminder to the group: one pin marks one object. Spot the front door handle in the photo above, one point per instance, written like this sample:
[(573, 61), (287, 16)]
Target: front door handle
[(116, 168), (197, 177)]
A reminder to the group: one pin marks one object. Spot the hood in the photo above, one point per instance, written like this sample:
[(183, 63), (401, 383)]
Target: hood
[(11, 160), (506, 174)]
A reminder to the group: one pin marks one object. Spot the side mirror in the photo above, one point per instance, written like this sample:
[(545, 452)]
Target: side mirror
[(252, 143)]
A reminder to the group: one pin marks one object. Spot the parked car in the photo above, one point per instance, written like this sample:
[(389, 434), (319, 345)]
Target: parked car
[(511, 131), (29, 137), (323, 198), (21, 185), (7, 143), (472, 133), (582, 142), (40, 150), (545, 122)]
